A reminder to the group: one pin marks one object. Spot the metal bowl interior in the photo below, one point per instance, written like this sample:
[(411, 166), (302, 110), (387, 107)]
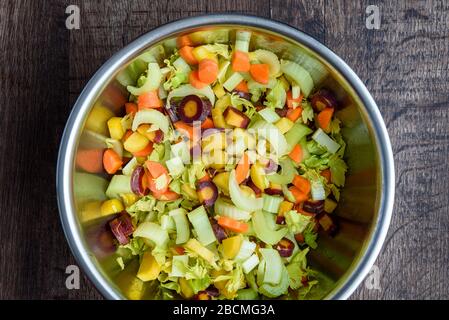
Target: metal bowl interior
[(366, 200)]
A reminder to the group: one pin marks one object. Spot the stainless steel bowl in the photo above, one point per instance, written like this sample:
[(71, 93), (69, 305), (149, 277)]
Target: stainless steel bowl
[(367, 199)]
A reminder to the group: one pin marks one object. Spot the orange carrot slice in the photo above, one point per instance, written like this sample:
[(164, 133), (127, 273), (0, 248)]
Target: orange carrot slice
[(324, 119), (260, 72), (242, 86), (233, 225), (90, 160), (195, 81), (149, 100), (294, 114), (207, 71), (302, 184), (186, 52), (296, 154), (242, 169), (240, 62), (111, 161)]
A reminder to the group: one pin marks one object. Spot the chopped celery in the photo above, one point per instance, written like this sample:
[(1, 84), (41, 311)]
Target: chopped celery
[(119, 184), (317, 190), (181, 149), (227, 209), (287, 174), (273, 291), (175, 166), (250, 263), (152, 80), (181, 65), (232, 81), (246, 250), (242, 201), (242, 39), (130, 166), (276, 139), (324, 140), (247, 294), (182, 225), (187, 89), (299, 75), (88, 186), (179, 264), (153, 117), (153, 232), (269, 115), (296, 133), (223, 68), (273, 265), (202, 226), (287, 193), (264, 232), (167, 223), (271, 203), (296, 91)]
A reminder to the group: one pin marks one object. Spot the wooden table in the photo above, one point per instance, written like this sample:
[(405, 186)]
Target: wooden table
[(44, 66)]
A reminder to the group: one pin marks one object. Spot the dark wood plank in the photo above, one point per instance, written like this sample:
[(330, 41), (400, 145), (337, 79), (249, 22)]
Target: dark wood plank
[(404, 65)]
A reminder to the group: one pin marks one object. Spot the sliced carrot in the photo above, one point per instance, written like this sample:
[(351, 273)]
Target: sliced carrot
[(90, 160), (145, 151), (131, 107), (242, 169), (149, 100), (296, 154), (302, 184), (179, 250), (231, 224), (185, 129), (242, 87), (327, 175), (240, 61), (183, 41), (195, 81), (186, 52), (207, 71), (126, 135), (291, 101), (111, 161), (206, 177), (158, 188), (260, 72), (294, 114), (155, 168), (207, 124), (324, 118), (298, 194), (166, 196)]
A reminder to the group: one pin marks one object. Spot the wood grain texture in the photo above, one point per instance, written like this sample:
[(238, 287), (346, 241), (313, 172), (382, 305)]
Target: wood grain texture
[(404, 65)]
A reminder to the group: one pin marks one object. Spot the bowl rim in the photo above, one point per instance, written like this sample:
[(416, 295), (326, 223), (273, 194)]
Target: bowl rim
[(64, 171)]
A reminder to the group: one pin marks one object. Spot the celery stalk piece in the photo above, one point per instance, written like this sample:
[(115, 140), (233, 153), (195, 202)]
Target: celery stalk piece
[(233, 81), (202, 226), (242, 40), (179, 264), (273, 267), (182, 225), (243, 202), (152, 82), (264, 232), (120, 184), (153, 232), (250, 263), (271, 203), (299, 75), (269, 115), (296, 133), (324, 140), (151, 116)]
